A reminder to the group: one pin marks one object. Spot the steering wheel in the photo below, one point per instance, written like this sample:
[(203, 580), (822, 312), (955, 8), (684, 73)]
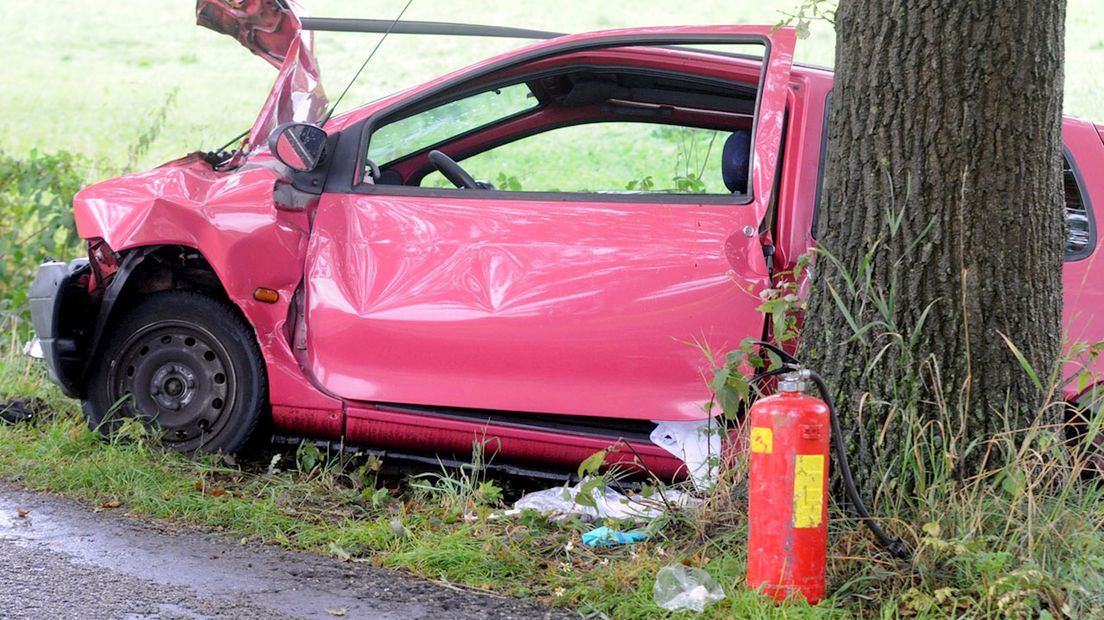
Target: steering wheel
[(452, 170)]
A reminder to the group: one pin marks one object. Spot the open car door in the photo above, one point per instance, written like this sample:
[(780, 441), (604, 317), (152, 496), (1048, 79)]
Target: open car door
[(583, 305)]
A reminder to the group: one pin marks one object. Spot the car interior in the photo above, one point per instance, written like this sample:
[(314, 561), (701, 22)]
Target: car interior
[(567, 128)]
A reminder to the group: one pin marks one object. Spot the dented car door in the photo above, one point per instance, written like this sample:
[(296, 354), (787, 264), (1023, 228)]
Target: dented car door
[(588, 306)]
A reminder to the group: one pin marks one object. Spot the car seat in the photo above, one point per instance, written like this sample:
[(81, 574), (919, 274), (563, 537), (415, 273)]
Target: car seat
[(735, 160)]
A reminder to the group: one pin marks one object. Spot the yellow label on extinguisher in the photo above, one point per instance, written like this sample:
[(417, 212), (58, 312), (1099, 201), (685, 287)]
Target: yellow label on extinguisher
[(762, 440), (808, 506)]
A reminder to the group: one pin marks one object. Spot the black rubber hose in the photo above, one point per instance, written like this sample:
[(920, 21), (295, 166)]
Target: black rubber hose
[(767, 374), (786, 357), (895, 545)]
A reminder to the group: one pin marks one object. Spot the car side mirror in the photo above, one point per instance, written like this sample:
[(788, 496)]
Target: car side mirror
[(298, 146)]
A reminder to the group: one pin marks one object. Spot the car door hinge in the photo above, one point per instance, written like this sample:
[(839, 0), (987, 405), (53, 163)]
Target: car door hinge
[(768, 255)]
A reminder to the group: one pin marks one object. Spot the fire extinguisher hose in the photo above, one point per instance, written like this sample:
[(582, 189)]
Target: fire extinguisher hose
[(895, 545)]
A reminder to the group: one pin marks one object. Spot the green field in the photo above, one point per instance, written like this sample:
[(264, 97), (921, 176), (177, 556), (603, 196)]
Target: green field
[(83, 76)]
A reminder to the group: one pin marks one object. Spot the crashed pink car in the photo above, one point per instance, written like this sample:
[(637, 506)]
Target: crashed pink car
[(317, 282)]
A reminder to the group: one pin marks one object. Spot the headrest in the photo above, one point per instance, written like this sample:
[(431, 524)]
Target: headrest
[(734, 161)]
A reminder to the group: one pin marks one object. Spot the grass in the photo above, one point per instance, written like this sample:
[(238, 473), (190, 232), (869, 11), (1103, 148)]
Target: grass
[(1024, 541), (601, 158), (333, 506)]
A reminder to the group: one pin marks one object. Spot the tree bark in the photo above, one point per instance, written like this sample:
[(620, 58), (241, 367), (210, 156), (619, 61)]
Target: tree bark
[(943, 189)]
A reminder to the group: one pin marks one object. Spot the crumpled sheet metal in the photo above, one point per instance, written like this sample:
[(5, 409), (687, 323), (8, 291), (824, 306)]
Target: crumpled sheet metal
[(573, 307), (232, 221), (275, 34), (297, 95), (260, 25)]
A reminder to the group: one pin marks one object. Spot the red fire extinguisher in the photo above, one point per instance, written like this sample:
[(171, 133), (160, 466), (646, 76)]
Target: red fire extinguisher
[(788, 493)]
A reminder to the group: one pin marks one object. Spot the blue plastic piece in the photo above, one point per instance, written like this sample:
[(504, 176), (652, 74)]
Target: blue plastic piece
[(605, 537)]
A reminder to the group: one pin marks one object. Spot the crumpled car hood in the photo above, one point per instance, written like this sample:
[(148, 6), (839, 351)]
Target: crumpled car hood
[(272, 29)]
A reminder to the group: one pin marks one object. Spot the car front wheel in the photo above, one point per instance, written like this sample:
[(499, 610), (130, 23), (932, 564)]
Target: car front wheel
[(184, 364)]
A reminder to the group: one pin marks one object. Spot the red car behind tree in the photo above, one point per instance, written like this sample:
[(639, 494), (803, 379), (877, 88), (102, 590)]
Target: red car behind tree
[(335, 288)]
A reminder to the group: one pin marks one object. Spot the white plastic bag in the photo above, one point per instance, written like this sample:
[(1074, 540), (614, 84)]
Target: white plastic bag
[(697, 443), (561, 502), (678, 588)]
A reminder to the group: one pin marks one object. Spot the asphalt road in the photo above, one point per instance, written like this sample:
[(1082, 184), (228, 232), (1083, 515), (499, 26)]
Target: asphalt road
[(61, 560)]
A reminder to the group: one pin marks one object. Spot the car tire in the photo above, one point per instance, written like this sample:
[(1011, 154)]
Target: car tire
[(187, 366)]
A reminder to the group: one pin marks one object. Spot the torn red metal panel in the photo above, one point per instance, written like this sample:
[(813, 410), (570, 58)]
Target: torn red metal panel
[(262, 26), (273, 31)]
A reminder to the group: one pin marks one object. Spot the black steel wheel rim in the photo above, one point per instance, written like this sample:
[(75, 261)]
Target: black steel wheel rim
[(177, 376)]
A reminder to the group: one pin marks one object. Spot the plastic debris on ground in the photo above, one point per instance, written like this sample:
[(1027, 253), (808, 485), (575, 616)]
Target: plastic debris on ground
[(680, 588), (562, 503), (15, 411), (34, 349), (698, 444), (605, 537)]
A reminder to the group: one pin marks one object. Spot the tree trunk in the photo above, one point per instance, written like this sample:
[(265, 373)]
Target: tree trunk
[(943, 191)]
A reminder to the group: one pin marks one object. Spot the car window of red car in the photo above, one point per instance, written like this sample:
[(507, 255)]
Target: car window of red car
[(625, 120), (416, 132), (1080, 232), (604, 157)]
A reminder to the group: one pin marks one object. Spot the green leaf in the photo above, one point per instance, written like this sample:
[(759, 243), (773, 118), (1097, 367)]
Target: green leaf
[(1083, 380), (734, 357), (932, 529), (592, 464), (803, 29), (720, 380), (846, 314), (585, 496), (1014, 482), (1023, 362), (731, 398)]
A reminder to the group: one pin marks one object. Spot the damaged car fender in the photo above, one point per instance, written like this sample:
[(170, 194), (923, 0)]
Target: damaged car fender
[(233, 221)]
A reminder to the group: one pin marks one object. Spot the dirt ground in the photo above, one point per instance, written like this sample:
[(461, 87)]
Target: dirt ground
[(61, 560)]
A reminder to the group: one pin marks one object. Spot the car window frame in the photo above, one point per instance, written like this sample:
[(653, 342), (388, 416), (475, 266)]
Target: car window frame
[(364, 127), (1086, 202), (822, 164)]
